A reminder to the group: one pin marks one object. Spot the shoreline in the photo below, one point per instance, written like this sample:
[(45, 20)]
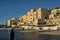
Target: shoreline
[(8, 28)]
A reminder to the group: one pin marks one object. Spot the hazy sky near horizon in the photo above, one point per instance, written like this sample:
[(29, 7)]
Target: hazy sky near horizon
[(17, 8)]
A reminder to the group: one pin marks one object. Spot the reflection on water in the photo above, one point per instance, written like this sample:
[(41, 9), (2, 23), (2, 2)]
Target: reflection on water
[(33, 36), (5, 35)]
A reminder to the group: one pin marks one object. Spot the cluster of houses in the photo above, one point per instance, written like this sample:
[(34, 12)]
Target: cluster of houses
[(40, 19)]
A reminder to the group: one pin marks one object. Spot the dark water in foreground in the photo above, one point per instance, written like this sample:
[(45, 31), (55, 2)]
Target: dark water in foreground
[(5, 35)]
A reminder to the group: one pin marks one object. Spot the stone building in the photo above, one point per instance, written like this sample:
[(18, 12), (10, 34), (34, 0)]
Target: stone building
[(12, 22), (54, 17), (33, 17), (55, 13), (8, 23)]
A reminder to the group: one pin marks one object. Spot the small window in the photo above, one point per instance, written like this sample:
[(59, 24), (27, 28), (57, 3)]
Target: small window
[(57, 14), (30, 18), (19, 20), (45, 17), (30, 14), (54, 15)]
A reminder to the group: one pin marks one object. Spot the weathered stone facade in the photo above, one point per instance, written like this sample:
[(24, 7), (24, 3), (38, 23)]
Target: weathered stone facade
[(38, 17), (54, 17), (32, 17), (12, 22)]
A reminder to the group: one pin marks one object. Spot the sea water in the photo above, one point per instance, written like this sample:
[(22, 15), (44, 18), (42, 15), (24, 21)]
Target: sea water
[(5, 35)]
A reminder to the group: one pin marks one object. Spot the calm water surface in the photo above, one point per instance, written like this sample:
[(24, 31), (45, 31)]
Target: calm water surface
[(5, 35)]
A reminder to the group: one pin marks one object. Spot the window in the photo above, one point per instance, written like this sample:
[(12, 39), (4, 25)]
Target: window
[(19, 20), (30, 22), (30, 17), (58, 14), (45, 17), (54, 15), (30, 14)]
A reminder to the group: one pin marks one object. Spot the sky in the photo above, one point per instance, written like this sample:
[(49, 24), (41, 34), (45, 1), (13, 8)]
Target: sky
[(17, 8)]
